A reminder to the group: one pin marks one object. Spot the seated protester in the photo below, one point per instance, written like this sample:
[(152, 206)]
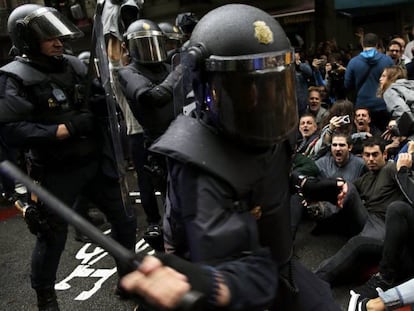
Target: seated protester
[(362, 129), (364, 202), (393, 139), (308, 134), (396, 298), (339, 163), (335, 121), (314, 105), (397, 263)]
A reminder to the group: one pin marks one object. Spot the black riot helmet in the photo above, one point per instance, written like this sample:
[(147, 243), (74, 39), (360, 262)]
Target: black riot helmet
[(186, 22), (174, 36), (29, 24), (170, 31), (244, 75), (146, 42)]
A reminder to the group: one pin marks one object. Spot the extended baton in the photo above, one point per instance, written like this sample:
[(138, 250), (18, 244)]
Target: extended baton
[(190, 301)]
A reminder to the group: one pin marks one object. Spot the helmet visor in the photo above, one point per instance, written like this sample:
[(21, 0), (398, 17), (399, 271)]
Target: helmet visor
[(147, 48), (48, 24), (253, 99)]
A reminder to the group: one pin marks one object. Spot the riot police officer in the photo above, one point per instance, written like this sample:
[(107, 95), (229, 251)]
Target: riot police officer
[(174, 39), (186, 22), (231, 161), (43, 110), (147, 84)]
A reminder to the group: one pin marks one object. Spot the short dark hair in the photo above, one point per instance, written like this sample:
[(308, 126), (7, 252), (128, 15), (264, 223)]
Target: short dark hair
[(363, 108), (370, 40), (342, 134), (394, 42), (374, 141)]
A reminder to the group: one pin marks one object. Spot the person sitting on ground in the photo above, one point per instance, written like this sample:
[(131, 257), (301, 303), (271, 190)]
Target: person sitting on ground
[(308, 134), (339, 163), (395, 298), (364, 202), (397, 263), (362, 129), (394, 140), (336, 121), (314, 105)]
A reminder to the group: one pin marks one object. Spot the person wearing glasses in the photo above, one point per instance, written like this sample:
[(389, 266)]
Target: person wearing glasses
[(395, 51)]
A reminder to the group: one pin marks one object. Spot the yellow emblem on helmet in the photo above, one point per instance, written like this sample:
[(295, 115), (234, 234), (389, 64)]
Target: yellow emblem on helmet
[(146, 26), (262, 32)]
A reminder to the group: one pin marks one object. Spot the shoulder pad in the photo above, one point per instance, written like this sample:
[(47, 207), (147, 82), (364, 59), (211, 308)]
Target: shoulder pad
[(77, 65), (23, 72), (188, 141)]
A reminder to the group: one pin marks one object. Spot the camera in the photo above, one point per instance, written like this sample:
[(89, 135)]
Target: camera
[(394, 131), (335, 66), (345, 120), (405, 125)]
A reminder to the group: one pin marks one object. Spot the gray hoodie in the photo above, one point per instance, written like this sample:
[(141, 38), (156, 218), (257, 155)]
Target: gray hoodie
[(399, 97)]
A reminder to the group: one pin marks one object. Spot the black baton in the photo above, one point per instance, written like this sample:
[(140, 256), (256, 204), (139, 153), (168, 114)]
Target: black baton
[(192, 300)]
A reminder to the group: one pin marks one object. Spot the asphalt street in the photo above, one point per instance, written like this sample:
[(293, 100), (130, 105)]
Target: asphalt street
[(87, 276)]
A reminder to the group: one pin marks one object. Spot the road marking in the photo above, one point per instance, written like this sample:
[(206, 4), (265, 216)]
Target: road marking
[(89, 255)]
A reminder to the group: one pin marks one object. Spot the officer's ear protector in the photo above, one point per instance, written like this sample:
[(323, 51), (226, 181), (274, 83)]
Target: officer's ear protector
[(196, 56), (23, 36)]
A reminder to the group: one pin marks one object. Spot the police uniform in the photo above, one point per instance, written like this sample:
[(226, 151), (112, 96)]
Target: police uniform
[(229, 164), (38, 93), (147, 84)]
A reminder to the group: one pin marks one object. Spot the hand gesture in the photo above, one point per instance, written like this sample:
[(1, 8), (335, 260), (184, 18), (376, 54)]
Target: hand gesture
[(404, 159)]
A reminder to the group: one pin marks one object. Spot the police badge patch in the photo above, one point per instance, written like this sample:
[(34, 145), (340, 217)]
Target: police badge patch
[(262, 32)]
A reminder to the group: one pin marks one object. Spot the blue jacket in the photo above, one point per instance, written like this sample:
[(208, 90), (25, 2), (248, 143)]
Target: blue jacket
[(362, 75)]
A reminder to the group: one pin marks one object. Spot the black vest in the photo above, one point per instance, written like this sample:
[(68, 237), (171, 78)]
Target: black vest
[(258, 178)]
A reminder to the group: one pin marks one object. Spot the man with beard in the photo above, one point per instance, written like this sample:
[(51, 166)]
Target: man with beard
[(362, 129), (314, 105), (339, 163), (363, 203)]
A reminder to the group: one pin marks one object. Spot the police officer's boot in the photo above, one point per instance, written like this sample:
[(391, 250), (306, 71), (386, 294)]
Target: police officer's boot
[(46, 299)]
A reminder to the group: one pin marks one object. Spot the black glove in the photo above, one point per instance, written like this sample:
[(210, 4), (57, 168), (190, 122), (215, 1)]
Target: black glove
[(34, 220), (172, 78), (201, 279), (321, 190), (80, 124)]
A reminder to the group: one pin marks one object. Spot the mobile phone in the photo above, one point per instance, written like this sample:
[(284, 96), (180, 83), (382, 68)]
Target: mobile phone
[(345, 119)]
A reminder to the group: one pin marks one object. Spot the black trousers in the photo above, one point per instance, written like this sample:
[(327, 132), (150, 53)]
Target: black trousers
[(148, 200), (68, 184), (397, 261), (360, 251)]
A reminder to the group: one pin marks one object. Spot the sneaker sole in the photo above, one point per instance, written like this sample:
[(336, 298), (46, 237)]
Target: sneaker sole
[(353, 302)]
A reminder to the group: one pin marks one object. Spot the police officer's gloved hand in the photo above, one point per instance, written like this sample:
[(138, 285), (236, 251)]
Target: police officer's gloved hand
[(80, 124), (172, 78), (203, 279)]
